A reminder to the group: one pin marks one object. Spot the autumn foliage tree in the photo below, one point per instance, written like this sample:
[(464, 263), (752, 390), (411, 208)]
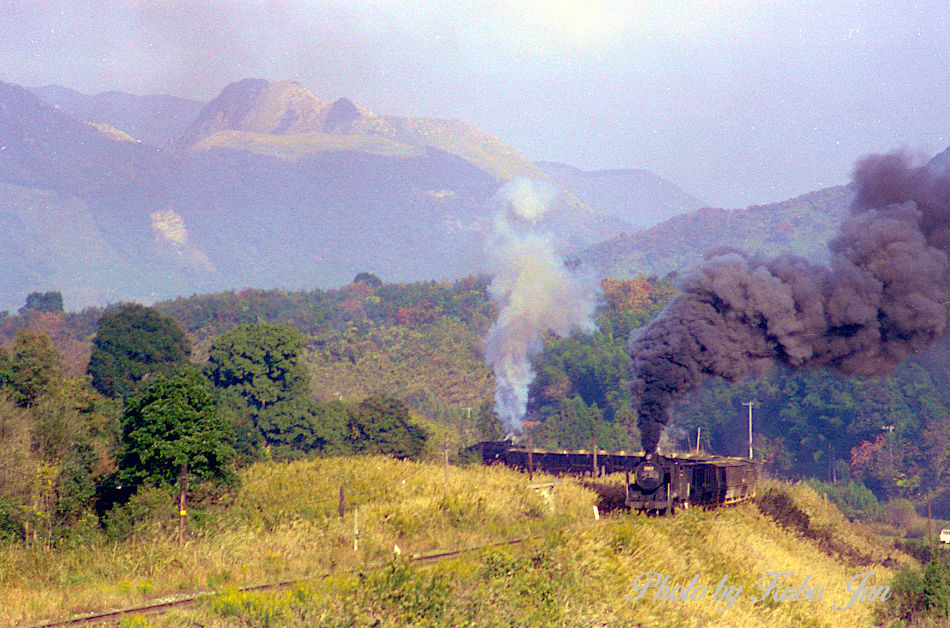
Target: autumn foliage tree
[(864, 455)]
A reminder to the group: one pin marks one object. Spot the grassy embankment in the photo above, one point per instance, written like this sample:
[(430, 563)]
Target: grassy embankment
[(283, 523)]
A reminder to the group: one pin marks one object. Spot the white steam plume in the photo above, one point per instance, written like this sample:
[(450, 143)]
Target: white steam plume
[(535, 293)]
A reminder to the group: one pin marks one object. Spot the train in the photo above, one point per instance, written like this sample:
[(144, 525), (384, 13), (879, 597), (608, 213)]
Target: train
[(655, 483)]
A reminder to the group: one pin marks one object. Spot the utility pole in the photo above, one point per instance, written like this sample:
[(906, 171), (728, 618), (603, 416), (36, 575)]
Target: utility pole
[(594, 458), (342, 507), (930, 530), (890, 445), (750, 404), (834, 472), (446, 453), (182, 489), (469, 428)]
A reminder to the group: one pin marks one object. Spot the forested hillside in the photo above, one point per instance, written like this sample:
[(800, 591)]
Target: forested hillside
[(421, 344), (801, 226), (102, 412)]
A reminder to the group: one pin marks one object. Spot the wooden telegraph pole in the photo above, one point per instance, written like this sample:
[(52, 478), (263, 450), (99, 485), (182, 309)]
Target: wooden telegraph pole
[(530, 458), (930, 530), (182, 489), (341, 509), (446, 454), (594, 473)]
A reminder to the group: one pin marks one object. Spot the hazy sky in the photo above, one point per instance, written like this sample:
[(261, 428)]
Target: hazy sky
[(736, 102)]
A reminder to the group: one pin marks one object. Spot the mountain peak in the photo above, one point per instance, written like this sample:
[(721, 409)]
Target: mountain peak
[(259, 106), (342, 113)]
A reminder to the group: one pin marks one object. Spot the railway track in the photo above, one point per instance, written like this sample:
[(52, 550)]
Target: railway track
[(161, 607), (576, 462)]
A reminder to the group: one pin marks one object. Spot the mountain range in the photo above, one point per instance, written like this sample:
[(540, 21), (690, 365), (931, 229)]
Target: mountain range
[(800, 226), (119, 197), (635, 196)]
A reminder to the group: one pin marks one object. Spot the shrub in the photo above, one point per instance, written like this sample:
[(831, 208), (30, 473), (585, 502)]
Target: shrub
[(936, 588), (854, 499), (381, 424), (920, 595), (149, 511), (11, 523), (418, 595), (900, 513)]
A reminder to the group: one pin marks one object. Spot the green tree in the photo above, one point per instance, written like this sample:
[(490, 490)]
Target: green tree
[(936, 587), (6, 375), (487, 425), (248, 440), (570, 424), (592, 367), (133, 344), (173, 422), (265, 387), (581, 383), (263, 363), (381, 424), (369, 279), (33, 368), (303, 425), (43, 302)]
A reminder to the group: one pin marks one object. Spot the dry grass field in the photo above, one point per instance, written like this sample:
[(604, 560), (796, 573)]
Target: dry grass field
[(283, 523)]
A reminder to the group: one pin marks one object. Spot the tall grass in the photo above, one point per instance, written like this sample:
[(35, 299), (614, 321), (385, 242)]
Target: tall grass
[(283, 523)]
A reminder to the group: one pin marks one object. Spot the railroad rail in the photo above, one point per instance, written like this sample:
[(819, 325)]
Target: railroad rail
[(660, 484), (159, 607)]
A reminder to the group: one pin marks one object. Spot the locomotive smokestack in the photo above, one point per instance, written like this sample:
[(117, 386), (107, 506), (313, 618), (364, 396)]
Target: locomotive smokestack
[(535, 293), (884, 297)]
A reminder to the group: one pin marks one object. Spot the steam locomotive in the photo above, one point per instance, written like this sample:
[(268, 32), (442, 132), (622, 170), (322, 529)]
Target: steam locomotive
[(664, 483), (655, 483)]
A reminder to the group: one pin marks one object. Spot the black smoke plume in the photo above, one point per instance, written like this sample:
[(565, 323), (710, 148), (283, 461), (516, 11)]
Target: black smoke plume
[(884, 297)]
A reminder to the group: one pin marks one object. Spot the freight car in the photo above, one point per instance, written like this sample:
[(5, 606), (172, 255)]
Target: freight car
[(656, 483)]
